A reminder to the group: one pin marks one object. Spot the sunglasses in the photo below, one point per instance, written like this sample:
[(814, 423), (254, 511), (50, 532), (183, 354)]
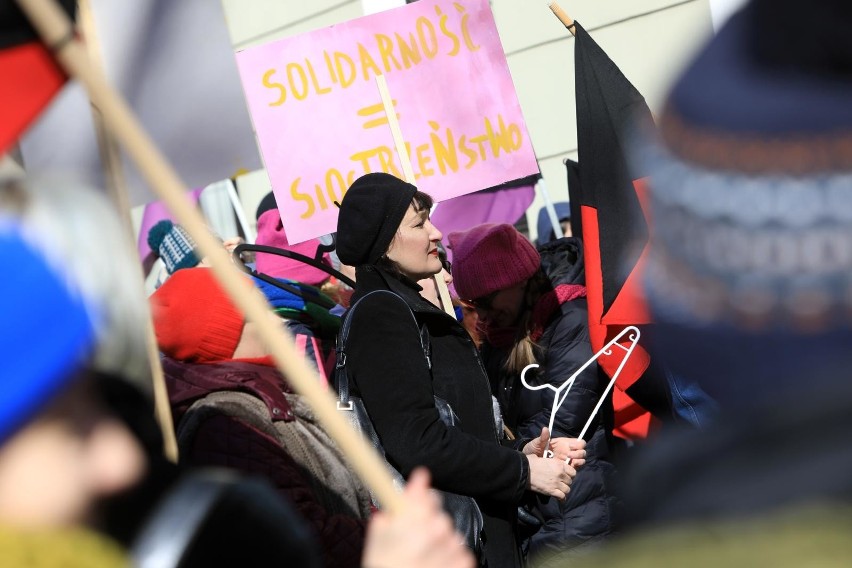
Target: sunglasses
[(482, 303), (448, 266)]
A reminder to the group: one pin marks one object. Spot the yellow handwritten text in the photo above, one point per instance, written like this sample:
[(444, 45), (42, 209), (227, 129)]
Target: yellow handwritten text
[(332, 189), (445, 152), (446, 33)]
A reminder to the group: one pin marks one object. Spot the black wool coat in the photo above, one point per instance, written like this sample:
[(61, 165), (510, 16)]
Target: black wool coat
[(388, 370)]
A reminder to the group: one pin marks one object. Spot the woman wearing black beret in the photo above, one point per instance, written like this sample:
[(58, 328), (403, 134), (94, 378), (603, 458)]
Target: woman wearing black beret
[(384, 230)]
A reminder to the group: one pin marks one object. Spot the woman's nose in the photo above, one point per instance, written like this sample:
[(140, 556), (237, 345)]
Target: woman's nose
[(434, 233)]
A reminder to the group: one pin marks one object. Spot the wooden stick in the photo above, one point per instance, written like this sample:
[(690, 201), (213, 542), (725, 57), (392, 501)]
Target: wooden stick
[(398, 140), (53, 24), (563, 17), (162, 408), (408, 171), (444, 294), (108, 148), (117, 187)]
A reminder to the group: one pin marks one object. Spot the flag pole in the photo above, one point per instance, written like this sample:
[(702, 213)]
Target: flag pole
[(566, 20), (408, 171), (55, 28), (551, 210)]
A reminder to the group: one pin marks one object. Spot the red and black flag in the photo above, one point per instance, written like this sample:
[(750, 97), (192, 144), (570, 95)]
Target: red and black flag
[(29, 75), (614, 228)]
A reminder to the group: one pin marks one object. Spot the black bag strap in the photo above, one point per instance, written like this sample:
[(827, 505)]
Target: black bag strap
[(341, 378), (464, 510)]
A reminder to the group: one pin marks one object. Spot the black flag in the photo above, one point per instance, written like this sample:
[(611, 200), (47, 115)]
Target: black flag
[(614, 230), (29, 76)]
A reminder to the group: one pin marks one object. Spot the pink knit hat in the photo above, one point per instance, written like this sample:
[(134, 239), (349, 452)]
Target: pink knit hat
[(270, 232), (491, 257)]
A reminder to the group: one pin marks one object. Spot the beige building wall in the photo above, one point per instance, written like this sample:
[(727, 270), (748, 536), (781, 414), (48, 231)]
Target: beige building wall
[(255, 22), (650, 40)]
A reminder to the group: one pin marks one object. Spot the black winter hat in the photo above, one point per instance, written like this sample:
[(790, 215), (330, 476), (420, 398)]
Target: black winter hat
[(372, 209), (268, 202)]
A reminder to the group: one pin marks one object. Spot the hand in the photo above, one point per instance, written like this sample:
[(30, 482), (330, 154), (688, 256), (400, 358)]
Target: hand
[(550, 476), (232, 243), (569, 448), (561, 448), (536, 447), (420, 536)]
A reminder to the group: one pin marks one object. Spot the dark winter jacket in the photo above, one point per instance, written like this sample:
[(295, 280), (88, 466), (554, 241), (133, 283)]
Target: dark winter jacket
[(387, 368), (242, 425), (588, 512)]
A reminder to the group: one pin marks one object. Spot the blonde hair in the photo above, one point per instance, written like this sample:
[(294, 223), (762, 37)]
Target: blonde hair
[(522, 352)]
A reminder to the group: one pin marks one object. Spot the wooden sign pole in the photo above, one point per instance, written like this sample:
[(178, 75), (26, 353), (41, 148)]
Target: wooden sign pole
[(408, 171), (55, 27)]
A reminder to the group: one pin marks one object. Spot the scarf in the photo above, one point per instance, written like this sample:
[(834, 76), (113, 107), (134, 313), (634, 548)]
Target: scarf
[(542, 312), (311, 307), (72, 547)]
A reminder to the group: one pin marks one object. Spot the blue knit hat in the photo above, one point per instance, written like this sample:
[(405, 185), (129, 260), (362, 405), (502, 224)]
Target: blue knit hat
[(750, 181), (749, 278), (174, 246), (45, 331)]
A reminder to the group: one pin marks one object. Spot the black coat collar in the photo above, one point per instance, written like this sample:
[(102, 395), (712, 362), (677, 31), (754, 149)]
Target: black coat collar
[(369, 278)]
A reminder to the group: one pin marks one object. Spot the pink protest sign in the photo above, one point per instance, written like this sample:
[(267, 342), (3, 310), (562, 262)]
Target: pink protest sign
[(321, 124)]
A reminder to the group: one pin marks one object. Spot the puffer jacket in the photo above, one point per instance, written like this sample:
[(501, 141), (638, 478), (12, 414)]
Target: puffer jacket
[(241, 415), (588, 514)]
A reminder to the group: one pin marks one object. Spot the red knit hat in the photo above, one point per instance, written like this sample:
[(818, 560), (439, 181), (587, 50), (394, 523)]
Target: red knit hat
[(194, 319), (491, 257)]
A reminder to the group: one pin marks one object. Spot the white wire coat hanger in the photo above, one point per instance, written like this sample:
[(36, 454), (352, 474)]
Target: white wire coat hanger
[(633, 339)]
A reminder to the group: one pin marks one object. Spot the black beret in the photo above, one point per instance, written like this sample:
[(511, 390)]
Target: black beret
[(370, 214)]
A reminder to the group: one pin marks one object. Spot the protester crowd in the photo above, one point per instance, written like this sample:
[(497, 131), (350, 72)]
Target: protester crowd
[(748, 282)]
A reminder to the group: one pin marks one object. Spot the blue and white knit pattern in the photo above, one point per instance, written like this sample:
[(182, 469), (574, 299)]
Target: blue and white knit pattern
[(178, 250), (753, 249), (174, 245)]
